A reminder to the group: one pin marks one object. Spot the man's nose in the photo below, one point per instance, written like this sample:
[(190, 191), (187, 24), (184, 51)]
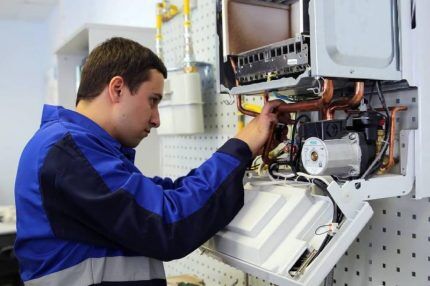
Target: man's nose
[(155, 118)]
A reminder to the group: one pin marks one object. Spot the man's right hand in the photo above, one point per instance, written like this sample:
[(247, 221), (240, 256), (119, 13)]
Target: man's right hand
[(256, 132)]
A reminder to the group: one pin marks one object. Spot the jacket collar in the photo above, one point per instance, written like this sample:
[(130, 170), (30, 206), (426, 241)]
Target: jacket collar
[(58, 113)]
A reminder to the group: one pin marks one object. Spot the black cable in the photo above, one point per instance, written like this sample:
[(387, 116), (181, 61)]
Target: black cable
[(371, 94), (274, 167), (299, 151), (337, 214), (382, 99), (376, 164), (388, 118), (323, 186), (293, 164)]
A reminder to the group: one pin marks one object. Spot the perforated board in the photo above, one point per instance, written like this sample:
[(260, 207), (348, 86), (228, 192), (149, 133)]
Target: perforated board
[(179, 154), (393, 249)]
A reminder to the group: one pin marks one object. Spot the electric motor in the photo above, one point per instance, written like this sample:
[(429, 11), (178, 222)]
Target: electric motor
[(338, 157)]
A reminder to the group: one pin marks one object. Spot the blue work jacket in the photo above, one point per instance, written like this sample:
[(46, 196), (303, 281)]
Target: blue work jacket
[(87, 216)]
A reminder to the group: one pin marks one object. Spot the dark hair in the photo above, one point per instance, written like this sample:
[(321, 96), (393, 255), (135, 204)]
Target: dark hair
[(117, 57)]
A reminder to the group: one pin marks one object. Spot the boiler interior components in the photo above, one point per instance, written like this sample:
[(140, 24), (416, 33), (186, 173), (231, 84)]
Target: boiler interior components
[(336, 157), (334, 149), (336, 132), (282, 59), (304, 38)]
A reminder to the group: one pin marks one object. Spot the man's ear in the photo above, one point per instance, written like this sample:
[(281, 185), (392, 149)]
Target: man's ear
[(115, 88)]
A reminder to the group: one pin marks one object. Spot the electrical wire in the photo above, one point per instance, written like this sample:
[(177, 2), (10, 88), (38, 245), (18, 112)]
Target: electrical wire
[(292, 98), (279, 176), (322, 226), (278, 182), (230, 101), (337, 214), (379, 158), (372, 91), (293, 164), (317, 90), (292, 177), (322, 184)]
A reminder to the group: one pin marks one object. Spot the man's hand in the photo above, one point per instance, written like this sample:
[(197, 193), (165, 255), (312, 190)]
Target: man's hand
[(256, 133)]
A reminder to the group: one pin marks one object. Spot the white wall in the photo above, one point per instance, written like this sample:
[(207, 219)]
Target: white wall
[(24, 59), (69, 15), (27, 52)]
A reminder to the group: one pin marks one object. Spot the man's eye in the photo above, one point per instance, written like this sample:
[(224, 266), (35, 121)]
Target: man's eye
[(153, 101)]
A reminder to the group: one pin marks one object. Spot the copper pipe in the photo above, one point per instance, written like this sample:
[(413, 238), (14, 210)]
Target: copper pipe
[(243, 110), (250, 112), (266, 149), (310, 105), (239, 96), (346, 102), (393, 111), (266, 96)]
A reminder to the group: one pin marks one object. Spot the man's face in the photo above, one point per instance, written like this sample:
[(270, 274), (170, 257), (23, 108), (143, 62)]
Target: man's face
[(137, 113)]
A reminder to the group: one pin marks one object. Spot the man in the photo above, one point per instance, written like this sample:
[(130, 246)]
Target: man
[(85, 214)]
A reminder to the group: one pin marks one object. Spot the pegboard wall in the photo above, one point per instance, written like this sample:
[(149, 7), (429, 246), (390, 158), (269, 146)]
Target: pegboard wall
[(393, 249)]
